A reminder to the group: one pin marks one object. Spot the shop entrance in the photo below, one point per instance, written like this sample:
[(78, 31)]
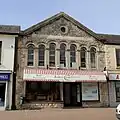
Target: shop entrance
[(72, 94), (2, 94)]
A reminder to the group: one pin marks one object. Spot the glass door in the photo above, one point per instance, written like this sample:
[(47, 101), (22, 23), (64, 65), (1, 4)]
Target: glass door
[(2, 94)]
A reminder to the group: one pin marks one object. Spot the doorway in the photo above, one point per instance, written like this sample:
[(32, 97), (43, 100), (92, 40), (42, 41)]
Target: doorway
[(2, 94), (72, 95)]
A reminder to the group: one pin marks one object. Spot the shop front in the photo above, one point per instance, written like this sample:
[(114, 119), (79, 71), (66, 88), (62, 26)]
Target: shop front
[(4, 90), (62, 88), (114, 88)]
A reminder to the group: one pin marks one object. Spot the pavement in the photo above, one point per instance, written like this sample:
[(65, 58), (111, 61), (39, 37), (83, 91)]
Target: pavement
[(60, 114)]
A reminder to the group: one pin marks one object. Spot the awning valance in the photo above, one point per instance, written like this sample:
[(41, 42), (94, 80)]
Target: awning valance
[(31, 74)]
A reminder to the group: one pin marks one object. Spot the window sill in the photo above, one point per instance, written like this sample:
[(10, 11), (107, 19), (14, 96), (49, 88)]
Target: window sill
[(30, 66), (118, 67), (42, 67)]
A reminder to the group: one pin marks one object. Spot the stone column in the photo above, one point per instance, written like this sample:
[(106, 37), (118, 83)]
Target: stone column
[(57, 58), (68, 59), (103, 87), (36, 56), (78, 59), (88, 63), (47, 57)]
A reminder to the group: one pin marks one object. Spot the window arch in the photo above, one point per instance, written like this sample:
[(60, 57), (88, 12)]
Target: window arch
[(52, 47), (83, 52), (62, 54), (93, 57), (41, 55), (72, 54), (30, 55)]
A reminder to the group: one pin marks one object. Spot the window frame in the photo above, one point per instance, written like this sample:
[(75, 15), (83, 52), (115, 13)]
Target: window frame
[(29, 60), (116, 91), (95, 58), (84, 58), (117, 58), (52, 55), (74, 54), (39, 55), (63, 56)]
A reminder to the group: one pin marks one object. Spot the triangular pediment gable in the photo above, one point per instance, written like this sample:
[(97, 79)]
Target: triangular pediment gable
[(56, 17)]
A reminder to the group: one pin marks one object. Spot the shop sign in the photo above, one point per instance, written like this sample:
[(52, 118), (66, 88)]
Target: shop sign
[(65, 78), (114, 76), (4, 76)]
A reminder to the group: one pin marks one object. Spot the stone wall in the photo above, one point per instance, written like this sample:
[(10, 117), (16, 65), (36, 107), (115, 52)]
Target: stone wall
[(41, 105)]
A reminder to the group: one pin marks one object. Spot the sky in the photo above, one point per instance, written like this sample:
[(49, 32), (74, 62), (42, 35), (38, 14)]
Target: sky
[(101, 16)]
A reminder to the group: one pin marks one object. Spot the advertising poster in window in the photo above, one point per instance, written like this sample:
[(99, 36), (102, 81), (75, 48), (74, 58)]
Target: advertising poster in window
[(90, 91)]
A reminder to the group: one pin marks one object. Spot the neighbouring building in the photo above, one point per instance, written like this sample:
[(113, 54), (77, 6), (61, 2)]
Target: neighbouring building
[(112, 56), (8, 36), (60, 63)]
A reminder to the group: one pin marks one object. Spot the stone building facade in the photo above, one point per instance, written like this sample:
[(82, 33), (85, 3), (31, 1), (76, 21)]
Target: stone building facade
[(112, 51), (60, 29)]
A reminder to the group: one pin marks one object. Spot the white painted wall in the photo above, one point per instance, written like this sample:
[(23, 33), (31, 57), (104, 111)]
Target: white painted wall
[(7, 57)]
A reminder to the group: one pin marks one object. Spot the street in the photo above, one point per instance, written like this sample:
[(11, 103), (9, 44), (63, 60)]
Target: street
[(60, 114)]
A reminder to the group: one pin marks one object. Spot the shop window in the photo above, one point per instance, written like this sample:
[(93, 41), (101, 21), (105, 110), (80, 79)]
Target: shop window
[(41, 55), (62, 54), (30, 60), (117, 88), (118, 57), (42, 91), (83, 57), (90, 92), (72, 54), (93, 57), (52, 55)]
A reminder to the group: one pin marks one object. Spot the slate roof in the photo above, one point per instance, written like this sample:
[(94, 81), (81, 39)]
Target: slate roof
[(9, 29), (110, 39)]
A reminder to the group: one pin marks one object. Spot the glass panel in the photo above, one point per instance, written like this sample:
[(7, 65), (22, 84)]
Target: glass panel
[(117, 87), (41, 55), (41, 63), (93, 57), (30, 55), (90, 91), (83, 57), (73, 53), (42, 91), (2, 93), (118, 56), (52, 54)]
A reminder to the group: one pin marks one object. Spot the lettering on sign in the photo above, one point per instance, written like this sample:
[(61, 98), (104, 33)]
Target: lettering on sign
[(93, 77), (117, 76), (4, 77)]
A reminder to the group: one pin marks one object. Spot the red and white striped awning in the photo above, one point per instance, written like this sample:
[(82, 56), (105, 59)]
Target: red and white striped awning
[(32, 74)]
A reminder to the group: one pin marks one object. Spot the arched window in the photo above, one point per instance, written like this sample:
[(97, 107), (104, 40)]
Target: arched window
[(72, 54), (62, 54), (41, 55), (52, 54), (83, 57), (30, 58), (93, 57)]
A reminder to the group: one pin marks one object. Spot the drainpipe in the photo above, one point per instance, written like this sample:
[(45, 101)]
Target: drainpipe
[(106, 73), (13, 107)]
